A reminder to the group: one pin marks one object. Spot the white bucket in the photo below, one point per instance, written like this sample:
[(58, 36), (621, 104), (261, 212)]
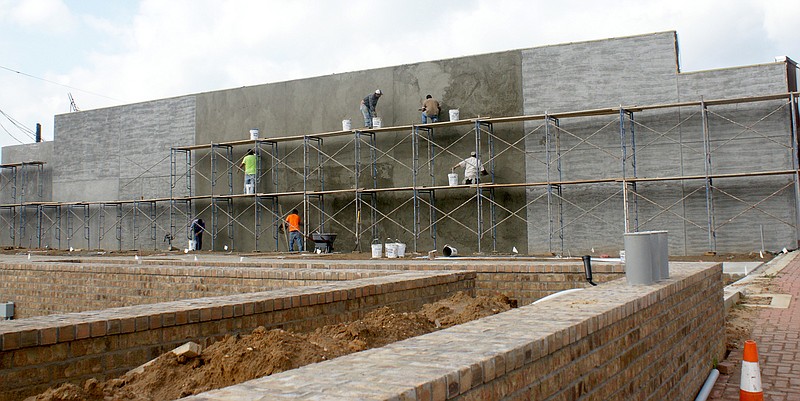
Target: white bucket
[(391, 250), (377, 249), (347, 125), (377, 122), (622, 255), (454, 115), (449, 251), (452, 179), (249, 189), (254, 133), (401, 249), (192, 245)]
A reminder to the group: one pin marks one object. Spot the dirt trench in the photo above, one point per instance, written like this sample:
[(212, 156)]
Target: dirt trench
[(236, 359)]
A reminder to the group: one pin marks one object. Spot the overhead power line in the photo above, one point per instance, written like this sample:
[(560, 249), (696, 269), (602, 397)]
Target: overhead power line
[(59, 84), (27, 131)]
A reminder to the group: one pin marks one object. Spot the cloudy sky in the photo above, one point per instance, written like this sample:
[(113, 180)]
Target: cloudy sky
[(111, 52)]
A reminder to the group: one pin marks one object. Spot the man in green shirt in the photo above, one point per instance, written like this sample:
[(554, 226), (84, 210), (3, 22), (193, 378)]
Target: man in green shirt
[(249, 164)]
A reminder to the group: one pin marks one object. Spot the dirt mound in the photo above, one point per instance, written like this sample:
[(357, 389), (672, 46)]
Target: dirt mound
[(236, 359)]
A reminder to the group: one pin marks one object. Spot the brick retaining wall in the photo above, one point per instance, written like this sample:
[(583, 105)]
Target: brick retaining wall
[(525, 280), (64, 287), (611, 342), (43, 351)]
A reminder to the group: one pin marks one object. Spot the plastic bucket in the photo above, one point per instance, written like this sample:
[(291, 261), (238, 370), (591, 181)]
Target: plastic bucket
[(391, 250), (249, 189), (254, 133), (401, 249), (454, 115), (452, 179), (192, 245), (377, 249), (449, 251), (347, 125), (377, 122)]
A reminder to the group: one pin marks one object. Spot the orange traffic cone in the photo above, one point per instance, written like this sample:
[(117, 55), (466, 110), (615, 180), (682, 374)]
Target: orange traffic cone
[(750, 386)]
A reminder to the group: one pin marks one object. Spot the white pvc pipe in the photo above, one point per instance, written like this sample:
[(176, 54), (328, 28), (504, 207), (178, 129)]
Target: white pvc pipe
[(708, 385), (558, 294)]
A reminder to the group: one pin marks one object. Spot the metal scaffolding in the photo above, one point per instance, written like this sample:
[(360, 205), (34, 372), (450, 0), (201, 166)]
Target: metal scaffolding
[(338, 181)]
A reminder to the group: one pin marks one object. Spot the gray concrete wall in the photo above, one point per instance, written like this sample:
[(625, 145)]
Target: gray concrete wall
[(122, 153), (34, 184)]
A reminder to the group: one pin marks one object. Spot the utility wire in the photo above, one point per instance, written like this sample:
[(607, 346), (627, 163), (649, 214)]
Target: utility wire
[(59, 84), (31, 133), (10, 134), (27, 131)]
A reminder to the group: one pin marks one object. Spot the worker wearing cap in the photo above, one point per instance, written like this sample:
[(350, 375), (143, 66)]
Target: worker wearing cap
[(368, 107), (470, 165)]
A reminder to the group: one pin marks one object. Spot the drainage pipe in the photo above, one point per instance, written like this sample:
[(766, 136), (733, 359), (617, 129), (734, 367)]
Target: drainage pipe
[(587, 268), (556, 295), (708, 385)]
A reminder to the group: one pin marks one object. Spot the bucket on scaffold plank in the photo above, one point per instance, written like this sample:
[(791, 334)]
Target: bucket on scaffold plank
[(452, 179)]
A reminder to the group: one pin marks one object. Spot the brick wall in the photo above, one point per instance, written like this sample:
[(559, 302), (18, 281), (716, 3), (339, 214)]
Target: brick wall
[(45, 288), (610, 342), (43, 351)]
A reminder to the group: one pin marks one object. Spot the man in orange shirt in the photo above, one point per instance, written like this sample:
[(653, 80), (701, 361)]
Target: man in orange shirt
[(294, 224)]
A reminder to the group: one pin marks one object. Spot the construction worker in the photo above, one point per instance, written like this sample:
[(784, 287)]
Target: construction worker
[(430, 110), (470, 165), (198, 226), (249, 164), (368, 107), (295, 235)]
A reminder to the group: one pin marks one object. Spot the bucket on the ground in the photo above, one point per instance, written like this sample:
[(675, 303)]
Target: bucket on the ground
[(449, 251), (377, 122), (347, 125), (391, 250), (454, 115), (192, 245), (254, 133), (377, 249), (452, 179), (401, 249)]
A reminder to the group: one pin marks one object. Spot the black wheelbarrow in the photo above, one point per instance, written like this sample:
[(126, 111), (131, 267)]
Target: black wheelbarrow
[(323, 242)]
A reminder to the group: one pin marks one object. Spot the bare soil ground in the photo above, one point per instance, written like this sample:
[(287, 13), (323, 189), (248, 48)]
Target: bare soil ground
[(236, 359)]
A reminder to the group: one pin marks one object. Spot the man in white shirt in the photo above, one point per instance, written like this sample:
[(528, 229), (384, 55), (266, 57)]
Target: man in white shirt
[(471, 167)]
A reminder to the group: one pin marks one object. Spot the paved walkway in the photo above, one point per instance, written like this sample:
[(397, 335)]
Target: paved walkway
[(777, 335)]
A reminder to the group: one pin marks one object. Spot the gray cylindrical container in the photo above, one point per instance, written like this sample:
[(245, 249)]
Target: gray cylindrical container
[(661, 254), (639, 258)]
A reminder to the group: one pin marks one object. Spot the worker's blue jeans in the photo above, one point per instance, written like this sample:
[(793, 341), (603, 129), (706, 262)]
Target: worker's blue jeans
[(367, 116), (295, 236), (425, 117)]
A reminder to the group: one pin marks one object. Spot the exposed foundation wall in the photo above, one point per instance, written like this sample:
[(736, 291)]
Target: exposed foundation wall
[(612, 342), (40, 352)]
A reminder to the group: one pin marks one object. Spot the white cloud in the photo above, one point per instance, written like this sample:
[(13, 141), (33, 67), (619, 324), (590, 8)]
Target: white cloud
[(47, 15), (176, 47)]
